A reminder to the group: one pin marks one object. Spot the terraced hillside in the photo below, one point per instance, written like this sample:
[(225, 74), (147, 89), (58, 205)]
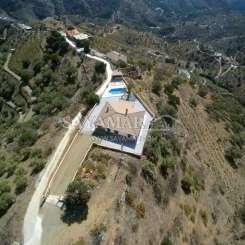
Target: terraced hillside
[(150, 12)]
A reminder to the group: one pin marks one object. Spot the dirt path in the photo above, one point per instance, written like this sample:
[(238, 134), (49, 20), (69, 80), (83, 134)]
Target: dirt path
[(6, 68)]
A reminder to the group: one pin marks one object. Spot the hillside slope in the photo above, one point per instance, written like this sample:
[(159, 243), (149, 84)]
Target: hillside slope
[(125, 10)]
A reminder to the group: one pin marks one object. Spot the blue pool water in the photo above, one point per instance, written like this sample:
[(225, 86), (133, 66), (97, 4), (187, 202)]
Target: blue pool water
[(117, 91)]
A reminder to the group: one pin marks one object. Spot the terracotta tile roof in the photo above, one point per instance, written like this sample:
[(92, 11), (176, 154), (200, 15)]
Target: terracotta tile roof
[(122, 116), (76, 34)]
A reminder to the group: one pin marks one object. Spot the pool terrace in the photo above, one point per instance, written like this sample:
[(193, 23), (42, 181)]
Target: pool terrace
[(115, 88)]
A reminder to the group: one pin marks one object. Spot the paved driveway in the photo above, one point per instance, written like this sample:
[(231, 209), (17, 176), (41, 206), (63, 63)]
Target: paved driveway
[(70, 164)]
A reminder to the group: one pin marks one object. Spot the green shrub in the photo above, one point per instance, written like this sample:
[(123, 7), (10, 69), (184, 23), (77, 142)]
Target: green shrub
[(202, 91), (6, 201), (71, 74), (238, 139), (10, 168), (186, 184), (168, 112), (27, 137), (100, 68), (193, 102), (25, 76), (169, 89), (20, 171), (38, 165), (130, 198), (4, 187), (233, 154), (84, 44), (101, 171), (149, 172), (92, 99), (37, 68), (167, 241), (242, 215), (176, 82), (173, 100), (167, 163), (56, 43), (3, 166), (157, 87), (21, 184), (26, 64), (157, 193), (204, 217), (77, 194), (96, 78), (25, 154), (191, 183)]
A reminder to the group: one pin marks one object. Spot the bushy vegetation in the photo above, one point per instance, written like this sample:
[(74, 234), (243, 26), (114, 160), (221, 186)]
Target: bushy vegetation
[(51, 71), (89, 98), (77, 194), (76, 199), (84, 44), (100, 68), (97, 234), (202, 91), (21, 184), (191, 182), (167, 163), (56, 44), (6, 198), (193, 102), (167, 241), (156, 87), (227, 108), (149, 172)]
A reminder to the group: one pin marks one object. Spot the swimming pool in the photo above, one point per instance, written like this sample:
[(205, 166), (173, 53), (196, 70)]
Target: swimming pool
[(118, 91)]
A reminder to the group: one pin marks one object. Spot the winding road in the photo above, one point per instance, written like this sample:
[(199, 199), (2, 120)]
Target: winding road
[(32, 227)]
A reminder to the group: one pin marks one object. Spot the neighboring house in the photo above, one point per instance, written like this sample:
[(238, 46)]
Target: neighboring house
[(24, 27), (122, 118), (117, 57), (75, 34)]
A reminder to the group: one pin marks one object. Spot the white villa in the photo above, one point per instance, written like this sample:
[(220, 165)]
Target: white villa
[(123, 118), (76, 35)]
